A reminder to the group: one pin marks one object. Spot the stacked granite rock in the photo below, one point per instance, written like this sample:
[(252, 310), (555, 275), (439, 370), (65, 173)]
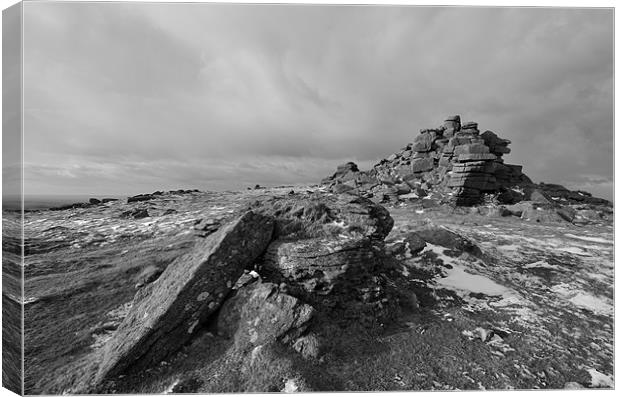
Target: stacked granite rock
[(349, 179), (453, 158), (475, 161)]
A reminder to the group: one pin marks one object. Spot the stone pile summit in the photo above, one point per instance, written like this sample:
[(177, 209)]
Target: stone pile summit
[(456, 162)]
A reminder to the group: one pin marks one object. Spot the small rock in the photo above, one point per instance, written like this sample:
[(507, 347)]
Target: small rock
[(307, 346), (482, 334), (138, 213), (415, 242)]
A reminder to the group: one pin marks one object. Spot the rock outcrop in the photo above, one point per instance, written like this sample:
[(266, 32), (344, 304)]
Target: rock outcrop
[(456, 164), (165, 313), (329, 253)]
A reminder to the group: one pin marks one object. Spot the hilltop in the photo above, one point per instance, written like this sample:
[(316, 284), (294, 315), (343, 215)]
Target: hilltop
[(441, 268)]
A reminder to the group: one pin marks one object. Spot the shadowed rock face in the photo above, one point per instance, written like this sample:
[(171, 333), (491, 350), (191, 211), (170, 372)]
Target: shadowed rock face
[(335, 273), (339, 262), (445, 238), (260, 314), (165, 314)]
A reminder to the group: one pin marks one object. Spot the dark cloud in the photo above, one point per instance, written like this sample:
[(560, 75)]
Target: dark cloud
[(122, 96)]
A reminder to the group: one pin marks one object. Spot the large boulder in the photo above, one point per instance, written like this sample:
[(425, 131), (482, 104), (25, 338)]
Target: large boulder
[(141, 197), (344, 172), (423, 143), (319, 264), (335, 261), (166, 313), (447, 239), (260, 313), (421, 165), (342, 274)]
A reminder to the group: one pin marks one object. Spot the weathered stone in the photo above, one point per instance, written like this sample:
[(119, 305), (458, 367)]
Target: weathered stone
[(308, 346), (471, 148), (387, 180), (469, 124), (415, 243), (535, 213), (391, 193), (340, 188), (537, 196), (261, 313), (501, 150), (444, 161), (401, 171), (483, 185), (459, 140), (475, 166), (140, 197), (137, 213), (335, 273), (420, 192), (318, 264), (421, 155), (166, 313), (148, 275), (448, 239), (421, 165), (316, 217), (347, 167), (452, 124), (403, 188), (423, 143), (94, 201), (492, 140), (207, 225), (468, 131), (364, 178), (475, 157), (567, 213), (509, 196), (344, 172)]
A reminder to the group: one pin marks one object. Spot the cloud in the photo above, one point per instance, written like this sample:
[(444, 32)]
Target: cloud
[(199, 89)]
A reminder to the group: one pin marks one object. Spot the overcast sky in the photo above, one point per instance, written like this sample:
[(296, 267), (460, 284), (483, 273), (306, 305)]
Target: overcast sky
[(129, 98)]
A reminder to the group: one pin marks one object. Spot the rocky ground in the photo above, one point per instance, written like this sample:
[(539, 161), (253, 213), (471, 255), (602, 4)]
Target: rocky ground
[(446, 298)]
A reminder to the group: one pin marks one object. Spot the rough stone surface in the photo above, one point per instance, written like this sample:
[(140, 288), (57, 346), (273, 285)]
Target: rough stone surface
[(423, 143), (166, 313), (448, 239), (318, 265), (415, 243), (341, 274), (261, 313), (326, 216), (140, 197), (421, 165)]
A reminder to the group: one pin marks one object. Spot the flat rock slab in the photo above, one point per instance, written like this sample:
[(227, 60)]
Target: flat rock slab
[(165, 314)]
